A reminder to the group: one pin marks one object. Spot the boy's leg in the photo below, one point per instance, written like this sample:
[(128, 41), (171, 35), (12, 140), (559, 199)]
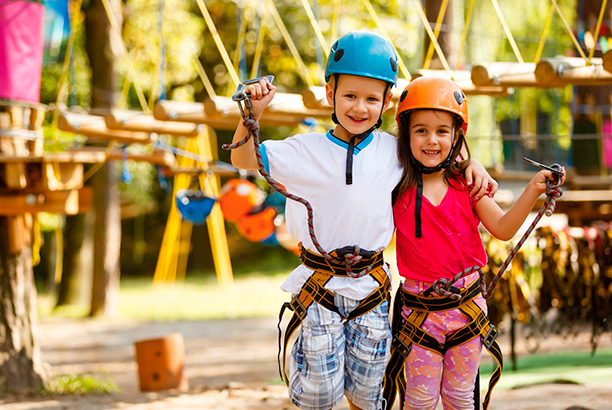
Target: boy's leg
[(368, 338), (316, 380)]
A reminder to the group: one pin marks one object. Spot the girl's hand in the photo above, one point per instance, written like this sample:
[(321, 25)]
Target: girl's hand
[(479, 179), (261, 95), (539, 180)]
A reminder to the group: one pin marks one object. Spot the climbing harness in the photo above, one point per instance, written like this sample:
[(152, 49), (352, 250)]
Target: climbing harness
[(349, 261), (409, 331)]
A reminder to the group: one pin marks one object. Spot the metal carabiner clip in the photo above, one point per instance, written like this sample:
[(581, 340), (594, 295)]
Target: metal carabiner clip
[(243, 99), (554, 168)]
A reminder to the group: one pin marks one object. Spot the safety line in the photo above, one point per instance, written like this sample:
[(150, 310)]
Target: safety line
[(131, 69), (294, 51), (381, 27), (431, 35), (259, 45), (315, 27), (547, 24), (439, 19), (218, 42), (502, 20), (601, 13), (570, 32), (468, 20)]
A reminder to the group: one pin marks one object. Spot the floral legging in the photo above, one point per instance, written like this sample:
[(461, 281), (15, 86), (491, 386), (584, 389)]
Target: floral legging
[(451, 377)]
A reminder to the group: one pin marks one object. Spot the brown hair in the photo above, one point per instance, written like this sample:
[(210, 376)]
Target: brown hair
[(455, 170)]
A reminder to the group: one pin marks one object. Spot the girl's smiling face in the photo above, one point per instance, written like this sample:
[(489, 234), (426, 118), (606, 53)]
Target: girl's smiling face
[(431, 136)]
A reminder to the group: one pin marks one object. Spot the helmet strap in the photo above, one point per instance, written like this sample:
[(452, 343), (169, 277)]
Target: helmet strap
[(422, 169), (352, 142)]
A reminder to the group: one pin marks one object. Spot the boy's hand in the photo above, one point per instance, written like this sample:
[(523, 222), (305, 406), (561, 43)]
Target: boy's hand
[(479, 179), (261, 94)]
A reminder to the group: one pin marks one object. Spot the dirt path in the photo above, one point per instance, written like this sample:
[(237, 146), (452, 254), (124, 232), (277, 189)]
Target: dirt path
[(231, 365)]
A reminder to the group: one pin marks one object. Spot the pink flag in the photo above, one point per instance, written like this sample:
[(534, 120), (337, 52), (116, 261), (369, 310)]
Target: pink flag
[(606, 154), (21, 50)]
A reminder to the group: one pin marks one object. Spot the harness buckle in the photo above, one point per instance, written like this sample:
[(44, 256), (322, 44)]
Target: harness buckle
[(401, 346), (490, 337), (298, 307)]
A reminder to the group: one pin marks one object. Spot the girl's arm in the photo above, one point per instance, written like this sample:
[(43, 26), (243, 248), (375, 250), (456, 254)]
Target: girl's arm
[(479, 179), (504, 225), (261, 94)]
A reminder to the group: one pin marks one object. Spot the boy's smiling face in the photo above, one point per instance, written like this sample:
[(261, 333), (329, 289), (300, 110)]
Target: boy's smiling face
[(358, 103)]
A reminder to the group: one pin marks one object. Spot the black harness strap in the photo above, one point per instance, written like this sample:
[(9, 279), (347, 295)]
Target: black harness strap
[(314, 290), (409, 331)]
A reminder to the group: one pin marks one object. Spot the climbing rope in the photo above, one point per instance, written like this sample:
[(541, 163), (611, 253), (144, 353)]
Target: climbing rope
[(442, 286), (252, 126)]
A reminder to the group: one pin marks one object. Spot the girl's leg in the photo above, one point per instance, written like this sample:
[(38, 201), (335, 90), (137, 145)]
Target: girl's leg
[(459, 375), (423, 373)]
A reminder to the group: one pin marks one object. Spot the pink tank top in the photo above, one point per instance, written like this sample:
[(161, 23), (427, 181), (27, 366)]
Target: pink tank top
[(450, 243)]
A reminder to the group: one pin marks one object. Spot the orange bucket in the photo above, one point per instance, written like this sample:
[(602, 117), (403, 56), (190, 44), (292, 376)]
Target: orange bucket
[(160, 363)]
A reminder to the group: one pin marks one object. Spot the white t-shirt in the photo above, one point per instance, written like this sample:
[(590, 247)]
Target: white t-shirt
[(313, 166)]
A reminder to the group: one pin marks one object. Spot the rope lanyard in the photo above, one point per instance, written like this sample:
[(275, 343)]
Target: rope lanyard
[(442, 286), (252, 126)]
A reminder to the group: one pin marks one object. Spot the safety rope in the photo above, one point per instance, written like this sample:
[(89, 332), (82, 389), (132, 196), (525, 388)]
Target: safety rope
[(252, 126), (442, 286), (439, 20), (431, 35), (382, 27), (595, 37)]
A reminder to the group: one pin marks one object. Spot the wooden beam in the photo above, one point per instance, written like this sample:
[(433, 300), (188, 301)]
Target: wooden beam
[(282, 104), (281, 113), (62, 202), (167, 110), (140, 122), (607, 61), (561, 71), (505, 74), (94, 127), (463, 80)]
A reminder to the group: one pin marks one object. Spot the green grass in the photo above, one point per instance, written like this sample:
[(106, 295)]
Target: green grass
[(80, 384), (572, 366), (197, 297)]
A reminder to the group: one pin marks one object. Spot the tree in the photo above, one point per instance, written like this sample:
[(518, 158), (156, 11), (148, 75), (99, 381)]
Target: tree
[(21, 367), (102, 52)]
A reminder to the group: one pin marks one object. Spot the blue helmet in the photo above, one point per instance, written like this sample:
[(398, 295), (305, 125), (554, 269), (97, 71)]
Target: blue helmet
[(365, 54)]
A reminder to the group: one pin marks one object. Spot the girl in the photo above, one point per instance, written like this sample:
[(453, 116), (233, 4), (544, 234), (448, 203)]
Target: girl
[(437, 237)]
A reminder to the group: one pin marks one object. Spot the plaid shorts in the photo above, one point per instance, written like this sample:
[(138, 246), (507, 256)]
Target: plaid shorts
[(332, 357)]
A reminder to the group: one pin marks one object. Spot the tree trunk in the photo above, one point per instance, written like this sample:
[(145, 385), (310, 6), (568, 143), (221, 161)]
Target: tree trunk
[(107, 242), (21, 367), (77, 261), (102, 48)]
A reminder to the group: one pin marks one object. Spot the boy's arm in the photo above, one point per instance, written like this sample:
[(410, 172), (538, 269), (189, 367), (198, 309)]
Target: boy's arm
[(504, 225), (261, 95), (479, 179)]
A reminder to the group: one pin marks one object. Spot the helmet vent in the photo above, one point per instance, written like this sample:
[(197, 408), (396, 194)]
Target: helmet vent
[(393, 62), (458, 97), (404, 93), (338, 54)]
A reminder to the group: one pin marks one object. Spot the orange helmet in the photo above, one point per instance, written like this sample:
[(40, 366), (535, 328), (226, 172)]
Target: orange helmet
[(258, 226), (239, 197), (433, 93)]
